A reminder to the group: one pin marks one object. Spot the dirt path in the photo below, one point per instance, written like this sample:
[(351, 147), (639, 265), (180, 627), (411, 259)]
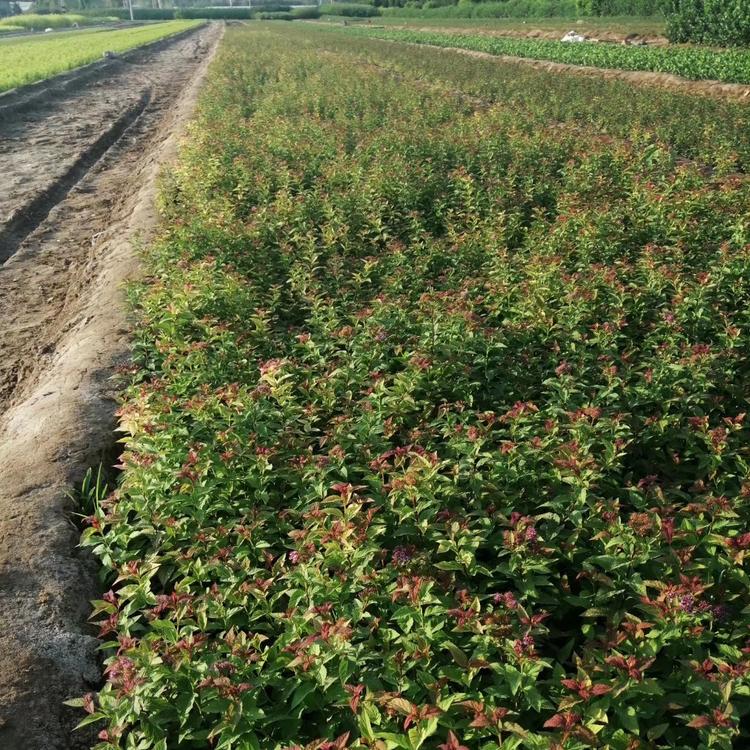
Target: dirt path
[(79, 173)]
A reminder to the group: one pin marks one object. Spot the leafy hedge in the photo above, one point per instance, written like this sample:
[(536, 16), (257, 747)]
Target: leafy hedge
[(307, 12), (349, 9), (620, 7), (507, 9), (276, 16), (724, 22), (162, 14), (437, 433), (633, 7), (144, 14), (224, 13), (528, 8)]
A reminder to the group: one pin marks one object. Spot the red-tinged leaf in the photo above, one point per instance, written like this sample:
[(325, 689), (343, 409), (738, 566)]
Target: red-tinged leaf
[(700, 722), (401, 705), (428, 712), (556, 722), (566, 721), (480, 721), (600, 689), (498, 714), (340, 743), (356, 696), (452, 743)]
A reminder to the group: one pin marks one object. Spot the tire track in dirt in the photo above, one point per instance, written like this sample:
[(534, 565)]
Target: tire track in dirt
[(25, 219), (41, 93), (62, 333), (45, 146)]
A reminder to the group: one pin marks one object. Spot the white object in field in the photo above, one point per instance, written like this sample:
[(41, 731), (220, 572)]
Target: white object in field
[(573, 36), (635, 40), (47, 31)]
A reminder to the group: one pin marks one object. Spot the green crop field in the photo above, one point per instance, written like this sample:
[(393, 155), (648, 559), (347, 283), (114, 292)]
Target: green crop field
[(28, 59), (731, 65), (33, 22), (436, 428)]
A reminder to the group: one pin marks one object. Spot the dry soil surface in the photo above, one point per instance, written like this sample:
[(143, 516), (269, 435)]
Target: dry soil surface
[(78, 173)]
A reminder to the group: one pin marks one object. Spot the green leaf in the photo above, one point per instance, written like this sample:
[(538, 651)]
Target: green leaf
[(458, 656), (514, 677), (301, 693)]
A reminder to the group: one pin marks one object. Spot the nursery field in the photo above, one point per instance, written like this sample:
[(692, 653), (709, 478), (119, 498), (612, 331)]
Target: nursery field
[(727, 65), (436, 433), (27, 59), (651, 26)]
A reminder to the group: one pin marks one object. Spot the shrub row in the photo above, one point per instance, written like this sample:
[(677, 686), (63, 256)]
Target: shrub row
[(620, 7), (708, 130), (722, 65), (437, 433), (349, 9)]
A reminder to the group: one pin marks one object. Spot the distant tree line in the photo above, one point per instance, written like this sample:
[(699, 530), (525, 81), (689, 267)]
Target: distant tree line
[(538, 8), (8, 8), (114, 5), (719, 22)]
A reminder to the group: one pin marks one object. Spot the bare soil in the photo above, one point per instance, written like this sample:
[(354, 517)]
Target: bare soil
[(78, 171)]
